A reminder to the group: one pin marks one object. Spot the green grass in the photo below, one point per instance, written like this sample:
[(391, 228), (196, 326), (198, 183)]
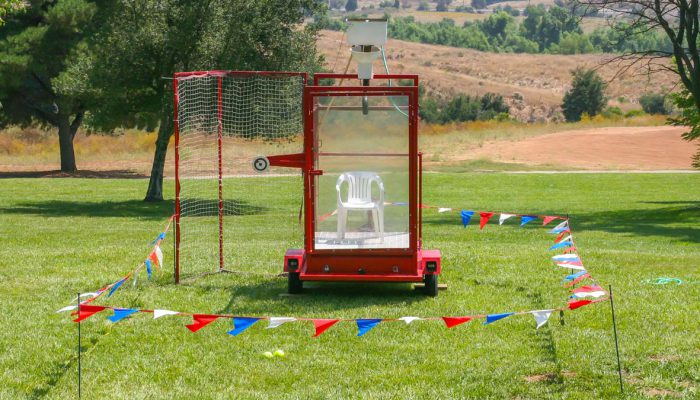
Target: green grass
[(61, 236)]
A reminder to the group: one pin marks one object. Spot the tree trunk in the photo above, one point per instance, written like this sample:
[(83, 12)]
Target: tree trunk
[(65, 143), (155, 185)]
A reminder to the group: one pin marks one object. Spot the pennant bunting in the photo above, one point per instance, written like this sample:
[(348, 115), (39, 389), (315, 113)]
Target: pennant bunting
[(574, 304), (277, 321), (321, 325), (67, 308), (148, 268), (566, 257), (564, 239), (121, 313), (159, 255), (161, 313), (466, 217), (484, 219), (526, 218), (561, 236), (199, 321), (578, 279), (154, 258), (160, 238), (365, 325), (594, 291), (454, 321), (408, 320), (570, 250), (541, 317), (560, 245), (444, 209), (86, 311), (547, 219), (495, 317), (240, 324), (560, 228), (571, 266), (573, 276), (503, 217), (116, 286)]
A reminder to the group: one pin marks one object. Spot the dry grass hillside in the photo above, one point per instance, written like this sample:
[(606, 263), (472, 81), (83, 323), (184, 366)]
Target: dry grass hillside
[(540, 80)]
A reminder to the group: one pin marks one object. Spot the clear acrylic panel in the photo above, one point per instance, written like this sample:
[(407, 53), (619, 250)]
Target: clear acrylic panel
[(361, 199)]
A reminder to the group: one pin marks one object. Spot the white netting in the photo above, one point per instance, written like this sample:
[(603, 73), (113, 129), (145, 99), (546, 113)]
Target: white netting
[(260, 114)]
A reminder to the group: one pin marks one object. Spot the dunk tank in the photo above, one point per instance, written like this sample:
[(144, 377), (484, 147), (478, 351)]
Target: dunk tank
[(325, 175)]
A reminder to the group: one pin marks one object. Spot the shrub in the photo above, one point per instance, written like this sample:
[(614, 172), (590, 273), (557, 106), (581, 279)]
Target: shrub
[(654, 103), (587, 95)]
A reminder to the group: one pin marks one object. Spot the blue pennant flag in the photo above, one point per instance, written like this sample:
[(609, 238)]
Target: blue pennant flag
[(495, 317), (160, 237), (561, 244), (148, 268), (121, 313), (240, 324), (466, 217), (527, 218), (115, 287), (574, 276), (365, 325)]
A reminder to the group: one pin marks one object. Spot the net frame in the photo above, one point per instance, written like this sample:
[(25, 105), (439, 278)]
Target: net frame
[(219, 75)]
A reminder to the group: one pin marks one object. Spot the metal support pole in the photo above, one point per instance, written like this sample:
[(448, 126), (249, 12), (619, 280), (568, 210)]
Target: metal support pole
[(79, 351), (617, 346)]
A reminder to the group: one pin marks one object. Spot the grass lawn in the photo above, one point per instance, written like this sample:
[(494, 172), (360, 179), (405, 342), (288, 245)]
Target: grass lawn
[(61, 236)]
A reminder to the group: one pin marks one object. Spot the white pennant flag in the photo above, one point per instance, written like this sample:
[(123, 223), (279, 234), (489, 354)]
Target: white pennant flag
[(444, 209), (570, 266), (277, 321), (566, 239), (565, 257), (159, 254), (504, 217), (86, 295), (561, 225), (541, 317), (408, 320), (594, 294), (160, 313), (67, 308)]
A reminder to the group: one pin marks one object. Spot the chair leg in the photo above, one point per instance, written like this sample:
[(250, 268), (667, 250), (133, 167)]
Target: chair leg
[(342, 222), (380, 216)]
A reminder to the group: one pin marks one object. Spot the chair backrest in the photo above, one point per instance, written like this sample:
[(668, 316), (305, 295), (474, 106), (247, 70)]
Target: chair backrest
[(360, 186)]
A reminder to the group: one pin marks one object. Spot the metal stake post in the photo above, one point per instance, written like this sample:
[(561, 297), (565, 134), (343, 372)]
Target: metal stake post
[(617, 346), (79, 351)]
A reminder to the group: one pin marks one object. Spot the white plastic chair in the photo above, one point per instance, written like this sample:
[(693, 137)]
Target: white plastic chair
[(360, 198)]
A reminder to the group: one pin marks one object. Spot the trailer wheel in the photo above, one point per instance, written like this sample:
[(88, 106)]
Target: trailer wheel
[(431, 285), (294, 284)]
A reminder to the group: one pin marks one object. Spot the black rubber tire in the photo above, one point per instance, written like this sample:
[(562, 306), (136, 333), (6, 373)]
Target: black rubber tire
[(294, 284), (431, 285)]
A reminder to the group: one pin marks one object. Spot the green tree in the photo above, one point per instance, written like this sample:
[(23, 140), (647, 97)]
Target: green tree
[(441, 5), (587, 95), (10, 6), (653, 103), (479, 4), (144, 41), (37, 48), (351, 5)]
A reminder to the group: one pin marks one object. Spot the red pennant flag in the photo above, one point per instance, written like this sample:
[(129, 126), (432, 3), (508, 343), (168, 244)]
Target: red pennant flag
[(86, 311), (200, 321), (579, 279), (561, 235), (322, 325), (547, 219), (578, 303), (485, 217), (454, 321), (569, 250), (154, 258)]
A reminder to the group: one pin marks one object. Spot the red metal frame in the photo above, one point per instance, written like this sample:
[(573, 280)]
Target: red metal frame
[(176, 128), (394, 265), (220, 144)]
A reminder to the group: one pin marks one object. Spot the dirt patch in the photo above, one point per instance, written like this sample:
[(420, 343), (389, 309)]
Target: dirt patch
[(665, 358), (114, 174), (626, 148), (549, 377), (661, 393)]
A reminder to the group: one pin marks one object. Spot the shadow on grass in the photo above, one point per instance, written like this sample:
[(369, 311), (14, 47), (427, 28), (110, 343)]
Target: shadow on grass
[(127, 208), (321, 296), (678, 220)]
